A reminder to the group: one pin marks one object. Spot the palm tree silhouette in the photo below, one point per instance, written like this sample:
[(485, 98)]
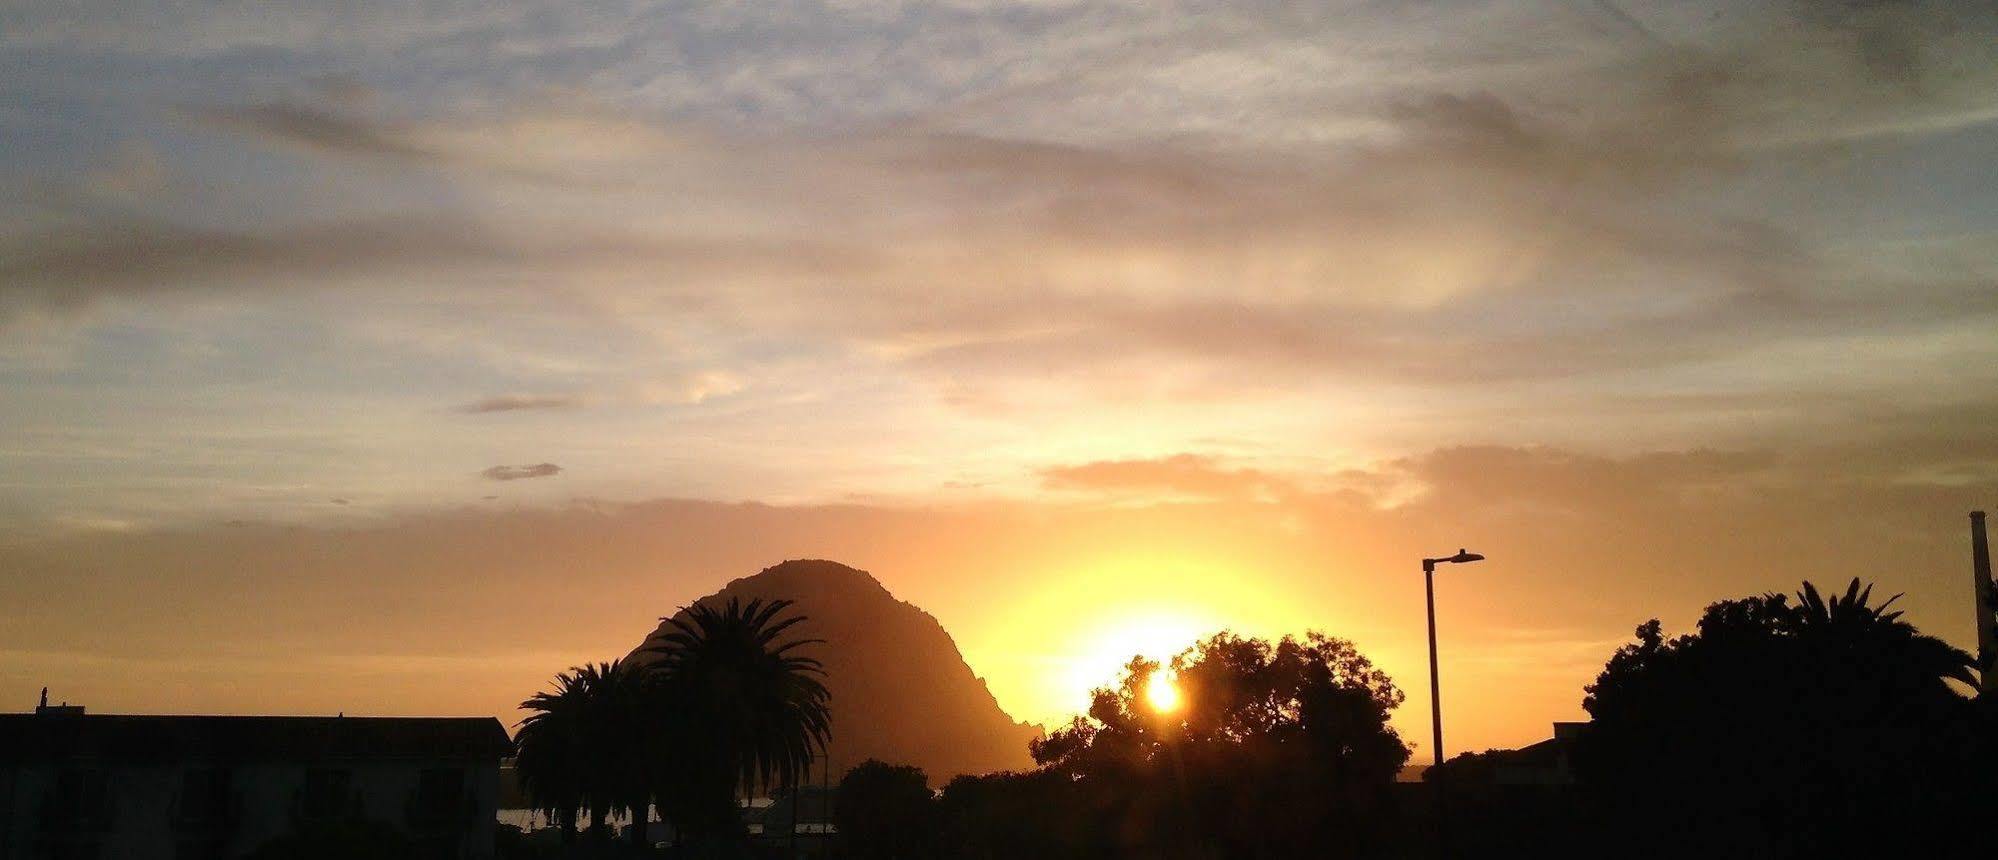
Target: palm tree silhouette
[(547, 751), (1858, 631), (572, 752), (746, 712)]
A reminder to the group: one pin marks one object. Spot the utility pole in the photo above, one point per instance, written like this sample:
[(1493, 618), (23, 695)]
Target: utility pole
[(1987, 605)]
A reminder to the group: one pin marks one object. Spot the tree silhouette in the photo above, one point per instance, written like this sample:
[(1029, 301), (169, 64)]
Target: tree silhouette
[(548, 749), (1852, 629), (1043, 814), (573, 750), (886, 812), (745, 711), (728, 707), (1277, 750), (1783, 729)]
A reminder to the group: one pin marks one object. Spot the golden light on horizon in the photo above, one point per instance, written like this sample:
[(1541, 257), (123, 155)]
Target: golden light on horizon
[(1156, 634), (1162, 693), (1108, 597)]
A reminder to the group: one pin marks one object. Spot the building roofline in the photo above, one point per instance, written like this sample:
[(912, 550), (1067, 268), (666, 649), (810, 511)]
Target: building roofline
[(244, 738)]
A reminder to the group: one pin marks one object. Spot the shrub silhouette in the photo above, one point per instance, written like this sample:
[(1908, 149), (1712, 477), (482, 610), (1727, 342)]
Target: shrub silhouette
[(1823, 727), (886, 812)]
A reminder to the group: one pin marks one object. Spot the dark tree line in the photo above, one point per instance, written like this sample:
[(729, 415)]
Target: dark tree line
[(1783, 727), (1276, 750)]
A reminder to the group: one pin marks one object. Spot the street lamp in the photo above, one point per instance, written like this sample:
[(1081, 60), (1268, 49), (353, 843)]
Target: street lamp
[(1435, 689), (1445, 849)]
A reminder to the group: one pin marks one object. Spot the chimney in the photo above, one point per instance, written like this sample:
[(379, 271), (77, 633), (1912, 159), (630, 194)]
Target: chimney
[(63, 710), (1987, 605)]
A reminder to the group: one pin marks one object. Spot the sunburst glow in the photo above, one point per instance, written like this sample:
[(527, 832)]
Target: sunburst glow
[(1155, 636), (1162, 693)]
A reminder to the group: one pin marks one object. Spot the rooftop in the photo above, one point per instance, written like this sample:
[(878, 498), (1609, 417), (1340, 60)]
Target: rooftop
[(121, 737)]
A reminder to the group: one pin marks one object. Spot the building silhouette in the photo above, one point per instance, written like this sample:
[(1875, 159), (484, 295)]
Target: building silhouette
[(76, 785)]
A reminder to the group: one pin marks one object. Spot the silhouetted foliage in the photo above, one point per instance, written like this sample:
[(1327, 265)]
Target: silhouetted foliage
[(1276, 750), (1819, 726), (727, 709), (886, 812), (1824, 727), (1044, 814), (745, 712), (575, 748)]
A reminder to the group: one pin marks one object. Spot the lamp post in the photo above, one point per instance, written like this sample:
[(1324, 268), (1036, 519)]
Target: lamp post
[(1435, 687)]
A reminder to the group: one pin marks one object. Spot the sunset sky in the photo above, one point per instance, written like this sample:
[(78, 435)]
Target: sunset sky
[(389, 359)]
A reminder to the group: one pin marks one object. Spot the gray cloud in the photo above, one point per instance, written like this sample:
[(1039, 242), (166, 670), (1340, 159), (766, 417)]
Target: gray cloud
[(517, 473), (68, 270), (312, 128), (521, 402), (1332, 252)]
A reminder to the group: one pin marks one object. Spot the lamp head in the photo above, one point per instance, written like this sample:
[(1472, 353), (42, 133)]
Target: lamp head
[(1462, 557)]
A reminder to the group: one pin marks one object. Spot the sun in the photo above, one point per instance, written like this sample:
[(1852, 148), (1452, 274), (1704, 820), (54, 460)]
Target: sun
[(1162, 693), (1155, 634)]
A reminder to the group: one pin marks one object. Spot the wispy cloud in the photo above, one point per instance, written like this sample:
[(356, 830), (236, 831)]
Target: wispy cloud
[(517, 473), (522, 403), (311, 127), (1188, 476)]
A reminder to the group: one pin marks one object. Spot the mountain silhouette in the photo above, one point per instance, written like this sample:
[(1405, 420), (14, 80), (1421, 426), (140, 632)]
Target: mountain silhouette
[(901, 691)]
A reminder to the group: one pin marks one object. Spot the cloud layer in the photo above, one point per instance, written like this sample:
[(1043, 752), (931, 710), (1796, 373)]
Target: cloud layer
[(822, 249)]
